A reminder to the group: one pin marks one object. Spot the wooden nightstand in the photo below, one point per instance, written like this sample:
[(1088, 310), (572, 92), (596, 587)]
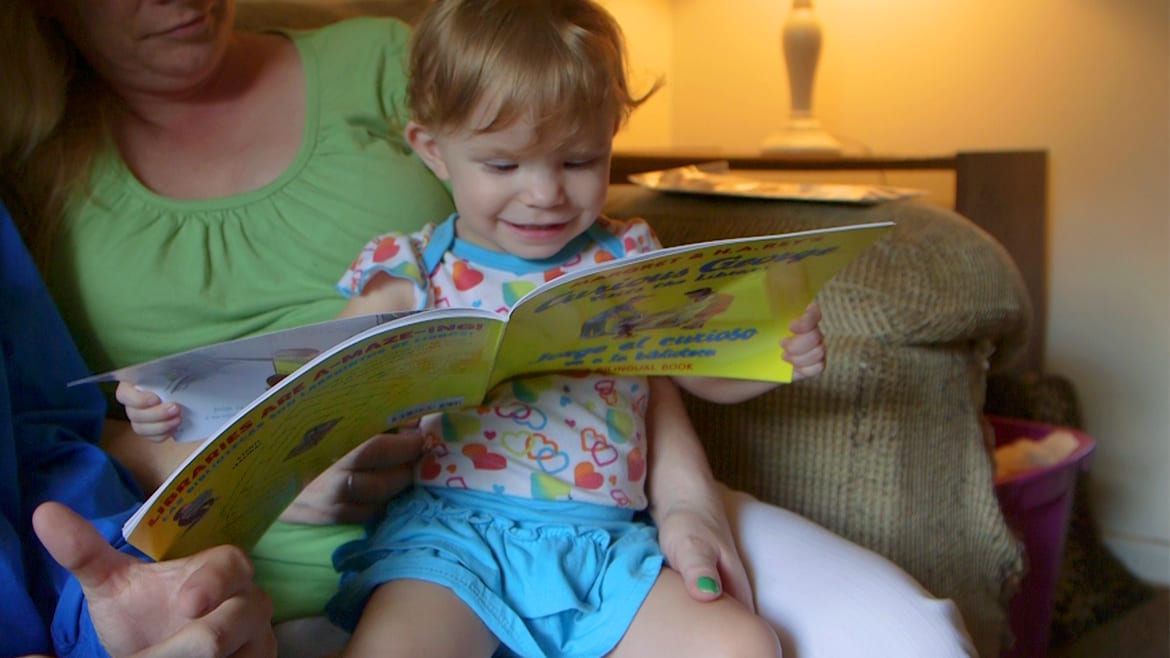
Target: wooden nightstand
[(1003, 192)]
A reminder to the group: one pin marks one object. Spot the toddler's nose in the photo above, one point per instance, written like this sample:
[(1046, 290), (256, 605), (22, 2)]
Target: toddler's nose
[(545, 190)]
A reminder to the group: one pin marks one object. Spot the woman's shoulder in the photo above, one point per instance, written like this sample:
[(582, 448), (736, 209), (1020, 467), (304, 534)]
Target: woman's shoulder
[(358, 34), (357, 56)]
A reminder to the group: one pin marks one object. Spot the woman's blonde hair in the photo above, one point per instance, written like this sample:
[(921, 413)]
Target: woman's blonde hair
[(560, 62), (51, 125)]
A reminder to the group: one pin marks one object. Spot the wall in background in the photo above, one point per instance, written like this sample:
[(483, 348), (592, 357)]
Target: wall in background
[(1089, 80), (650, 54)]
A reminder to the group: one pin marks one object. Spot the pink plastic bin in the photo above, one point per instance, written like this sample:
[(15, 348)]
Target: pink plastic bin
[(1036, 505)]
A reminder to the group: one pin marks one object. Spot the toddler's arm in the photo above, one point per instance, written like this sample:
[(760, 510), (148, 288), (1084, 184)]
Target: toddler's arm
[(155, 421), (693, 529), (381, 294), (805, 350)]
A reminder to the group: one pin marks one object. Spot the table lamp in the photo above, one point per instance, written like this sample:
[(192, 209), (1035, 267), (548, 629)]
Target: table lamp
[(800, 41)]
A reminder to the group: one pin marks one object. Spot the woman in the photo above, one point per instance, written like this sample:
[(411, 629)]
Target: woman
[(173, 66), (199, 183)]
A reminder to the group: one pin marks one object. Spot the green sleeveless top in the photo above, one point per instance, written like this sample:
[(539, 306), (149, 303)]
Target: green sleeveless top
[(138, 276)]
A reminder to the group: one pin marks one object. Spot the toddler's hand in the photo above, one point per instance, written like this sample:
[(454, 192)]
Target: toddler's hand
[(697, 542), (805, 349), (148, 416)]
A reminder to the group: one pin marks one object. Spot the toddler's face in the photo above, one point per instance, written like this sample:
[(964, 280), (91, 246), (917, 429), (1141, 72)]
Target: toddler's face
[(520, 196)]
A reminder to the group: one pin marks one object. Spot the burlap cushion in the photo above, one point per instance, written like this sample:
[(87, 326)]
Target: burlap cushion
[(887, 448)]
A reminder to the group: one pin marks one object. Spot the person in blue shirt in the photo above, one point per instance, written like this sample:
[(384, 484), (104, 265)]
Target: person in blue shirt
[(69, 585)]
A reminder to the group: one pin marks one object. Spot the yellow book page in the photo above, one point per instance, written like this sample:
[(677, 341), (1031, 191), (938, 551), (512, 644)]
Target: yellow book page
[(240, 482), (714, 309)]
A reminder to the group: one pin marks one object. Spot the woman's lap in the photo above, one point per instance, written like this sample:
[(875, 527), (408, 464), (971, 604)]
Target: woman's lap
[(826, 597), (829, 597)]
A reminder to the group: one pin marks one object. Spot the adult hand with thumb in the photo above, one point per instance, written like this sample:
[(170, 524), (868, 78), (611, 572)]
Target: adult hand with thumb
[(201, 606)]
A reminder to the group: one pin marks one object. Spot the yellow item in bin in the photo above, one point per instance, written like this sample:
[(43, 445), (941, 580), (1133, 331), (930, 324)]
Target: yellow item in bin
[(1024, 454)]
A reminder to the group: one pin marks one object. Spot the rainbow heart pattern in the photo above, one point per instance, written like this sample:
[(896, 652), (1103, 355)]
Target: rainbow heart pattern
[(483, 459), (387, 248), (619, 424), (586, 477), (635, 465), (465, 277), (429, 469), (514, 290), (547, 487), (577, 436)]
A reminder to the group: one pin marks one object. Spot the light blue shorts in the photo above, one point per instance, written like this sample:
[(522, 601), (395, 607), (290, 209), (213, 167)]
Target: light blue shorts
[(547, 578)]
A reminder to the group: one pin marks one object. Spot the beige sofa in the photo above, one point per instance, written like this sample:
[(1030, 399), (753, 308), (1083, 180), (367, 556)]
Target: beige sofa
[(887, 447)]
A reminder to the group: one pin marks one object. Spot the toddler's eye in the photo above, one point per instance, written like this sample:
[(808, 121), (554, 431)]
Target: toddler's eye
[(582, 163), (501, 166)]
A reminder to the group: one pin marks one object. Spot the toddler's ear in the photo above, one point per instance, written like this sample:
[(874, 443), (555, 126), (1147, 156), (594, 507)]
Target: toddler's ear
[(423, 142)]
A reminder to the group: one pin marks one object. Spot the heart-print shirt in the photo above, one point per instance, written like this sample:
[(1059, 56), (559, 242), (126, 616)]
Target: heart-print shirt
[(579, 436)]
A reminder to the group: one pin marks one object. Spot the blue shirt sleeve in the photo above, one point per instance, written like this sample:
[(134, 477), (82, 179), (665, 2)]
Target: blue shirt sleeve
[(48, 451)]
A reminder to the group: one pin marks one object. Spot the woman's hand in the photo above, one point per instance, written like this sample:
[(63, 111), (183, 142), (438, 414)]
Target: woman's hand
[(204, 605), (357, 486), (352, 490)]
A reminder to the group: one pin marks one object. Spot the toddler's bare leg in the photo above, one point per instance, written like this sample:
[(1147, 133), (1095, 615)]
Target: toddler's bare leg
[(418, 618), (671, 623)]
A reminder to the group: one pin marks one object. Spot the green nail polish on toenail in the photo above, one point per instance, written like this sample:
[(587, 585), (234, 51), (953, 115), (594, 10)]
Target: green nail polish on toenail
[(708, 584)]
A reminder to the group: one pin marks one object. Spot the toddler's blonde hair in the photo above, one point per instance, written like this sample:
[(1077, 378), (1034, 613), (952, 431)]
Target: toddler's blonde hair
[(560, 63)]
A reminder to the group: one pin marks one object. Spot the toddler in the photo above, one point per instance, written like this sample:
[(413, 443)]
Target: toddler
[(525, 528)]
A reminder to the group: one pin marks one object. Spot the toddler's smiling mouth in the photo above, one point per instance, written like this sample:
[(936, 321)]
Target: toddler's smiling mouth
[(537, 228)]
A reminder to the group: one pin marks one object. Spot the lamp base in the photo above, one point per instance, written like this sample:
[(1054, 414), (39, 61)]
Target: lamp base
[(802, 136)]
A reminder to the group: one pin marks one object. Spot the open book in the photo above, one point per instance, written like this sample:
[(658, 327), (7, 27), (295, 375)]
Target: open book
[(297, 400)]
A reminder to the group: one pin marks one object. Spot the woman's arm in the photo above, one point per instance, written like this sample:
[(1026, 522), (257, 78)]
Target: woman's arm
[(351, 490)]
